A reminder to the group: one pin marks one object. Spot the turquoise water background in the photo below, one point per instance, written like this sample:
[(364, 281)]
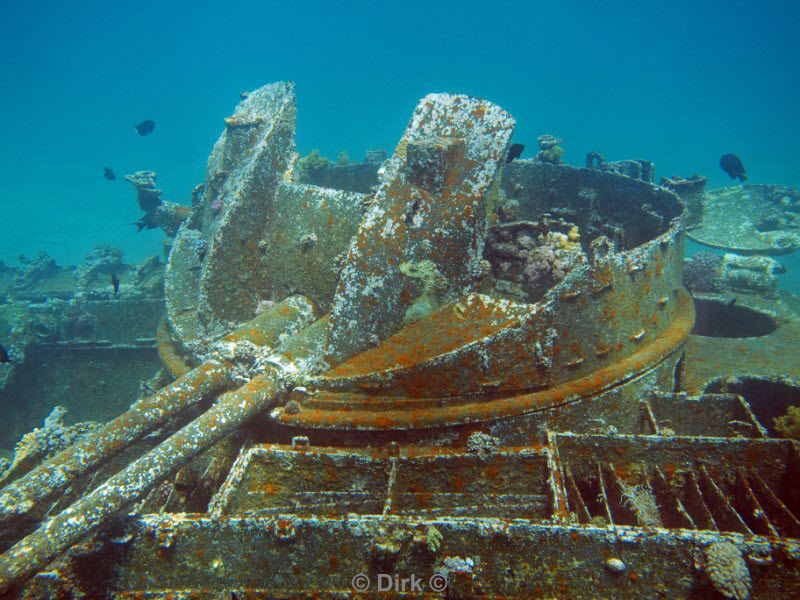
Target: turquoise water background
[(678, 83)]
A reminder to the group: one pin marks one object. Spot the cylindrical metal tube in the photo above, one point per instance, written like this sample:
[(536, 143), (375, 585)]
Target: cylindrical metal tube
[(54, 476), (123, 489), (51, 478)]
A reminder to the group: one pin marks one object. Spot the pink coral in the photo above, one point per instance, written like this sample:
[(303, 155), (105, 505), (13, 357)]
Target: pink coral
[(532, 257)]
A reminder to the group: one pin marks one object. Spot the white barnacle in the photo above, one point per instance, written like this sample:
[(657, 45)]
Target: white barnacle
[(389, 228)]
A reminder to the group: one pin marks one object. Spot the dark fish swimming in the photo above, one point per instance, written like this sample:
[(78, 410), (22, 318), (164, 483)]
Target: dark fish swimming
[(514, 152), (109, 174), (115, 283), (731, 164), (145, 127), (4, 355), (146, 222)]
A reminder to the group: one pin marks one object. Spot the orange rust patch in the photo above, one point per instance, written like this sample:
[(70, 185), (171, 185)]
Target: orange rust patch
[(397, 411), (478, 112), (491, 472)]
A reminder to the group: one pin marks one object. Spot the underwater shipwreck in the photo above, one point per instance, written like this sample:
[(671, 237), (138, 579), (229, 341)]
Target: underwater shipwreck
[(439, 374)]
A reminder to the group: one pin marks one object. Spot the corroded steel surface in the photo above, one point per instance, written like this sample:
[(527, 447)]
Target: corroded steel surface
[(278, 556), (481, 357), (309, 228), (213, 274), (365, 408), (515, 482), (774, 354), (421, 241), (210, 378)]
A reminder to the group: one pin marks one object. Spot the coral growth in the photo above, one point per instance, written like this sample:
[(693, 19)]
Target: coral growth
[(533, 257), (549, 150), (703, 273), (640, 500), (158, 213), (310, 167), (789, 424), (727, 570), (147, 194), (434, 288)]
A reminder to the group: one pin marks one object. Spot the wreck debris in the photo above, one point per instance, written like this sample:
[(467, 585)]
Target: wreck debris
[(122, 490), (27, 493), (753, 274), (102, 261), (750, 219), (207, 290), (34, 270), (447, 135), (633, 168), (690, 190)]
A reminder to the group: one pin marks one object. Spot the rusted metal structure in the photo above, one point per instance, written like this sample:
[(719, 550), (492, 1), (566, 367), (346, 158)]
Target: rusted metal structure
[(467, 376)]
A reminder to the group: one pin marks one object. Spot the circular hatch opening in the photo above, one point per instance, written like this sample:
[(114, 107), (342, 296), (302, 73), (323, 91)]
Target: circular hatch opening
[(718, 319)]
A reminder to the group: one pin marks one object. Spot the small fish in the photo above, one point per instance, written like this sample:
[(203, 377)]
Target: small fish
[(109, 174), (514, 152), (146, 222), (4, 355), (115, 283), (731, 164), (145, 127)]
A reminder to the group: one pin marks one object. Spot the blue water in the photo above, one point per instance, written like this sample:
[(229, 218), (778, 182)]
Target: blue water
[(679, 83)]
